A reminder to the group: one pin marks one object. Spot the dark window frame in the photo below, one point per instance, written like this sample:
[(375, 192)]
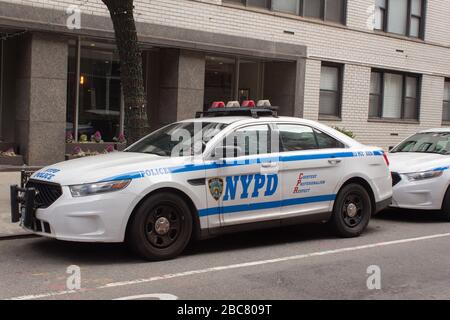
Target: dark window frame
[(301, 13), (404, 75), (340, 68), (409, 15), (447, 80)]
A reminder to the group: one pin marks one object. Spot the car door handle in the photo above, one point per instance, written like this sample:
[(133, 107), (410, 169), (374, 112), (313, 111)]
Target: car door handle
[(334, 161), (269, 164)]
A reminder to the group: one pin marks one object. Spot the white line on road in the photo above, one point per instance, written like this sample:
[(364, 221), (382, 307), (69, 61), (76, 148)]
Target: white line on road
[(236, 266)]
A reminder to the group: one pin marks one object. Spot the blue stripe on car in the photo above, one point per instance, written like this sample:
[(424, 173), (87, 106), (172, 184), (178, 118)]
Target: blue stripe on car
[(235, 163), (264, 205)]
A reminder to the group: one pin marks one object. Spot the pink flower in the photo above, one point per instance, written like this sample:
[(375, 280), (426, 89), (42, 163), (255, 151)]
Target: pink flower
[(121, 138), (109, 148), (77, 150), (97, 136)]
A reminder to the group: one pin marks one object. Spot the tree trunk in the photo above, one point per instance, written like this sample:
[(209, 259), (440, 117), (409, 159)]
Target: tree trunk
[(131, 73)]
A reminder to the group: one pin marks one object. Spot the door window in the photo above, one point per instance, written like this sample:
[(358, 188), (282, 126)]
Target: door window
[(297, 137), (252, 140)]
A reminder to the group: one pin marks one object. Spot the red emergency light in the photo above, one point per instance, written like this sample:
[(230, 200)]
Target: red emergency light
[(248, 104), (218, 104)]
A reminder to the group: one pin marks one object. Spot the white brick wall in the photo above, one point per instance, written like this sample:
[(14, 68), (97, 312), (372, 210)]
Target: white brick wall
[(353, 45)]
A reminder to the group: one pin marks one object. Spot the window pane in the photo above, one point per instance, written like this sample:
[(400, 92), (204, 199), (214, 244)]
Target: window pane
[(289, 6), (397, 18), (411, 87), (312, 8), (415, 27), (219, 79), (410, 108), (328, 104), (235, 1), (375, 82), (327, 142), (416, 7), (296, 137), (447, 91), (379, 18), (380, 3), (392, 100), (329, 78), (252, 140), (100, 93), (335, 11), (374, 106), (446, 112), (258, 3)]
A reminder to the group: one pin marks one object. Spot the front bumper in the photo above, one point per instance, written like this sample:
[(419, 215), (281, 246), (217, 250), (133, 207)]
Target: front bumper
[(97, 218), (421, 195)]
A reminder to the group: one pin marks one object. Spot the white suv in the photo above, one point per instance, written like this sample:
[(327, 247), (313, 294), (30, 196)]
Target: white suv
[(229, 169)]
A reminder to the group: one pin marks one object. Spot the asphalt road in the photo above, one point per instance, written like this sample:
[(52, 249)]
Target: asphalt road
[(301, 262)]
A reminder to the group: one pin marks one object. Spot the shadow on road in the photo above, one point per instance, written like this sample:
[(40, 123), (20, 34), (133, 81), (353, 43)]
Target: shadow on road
[(99, 254), (414, 216)]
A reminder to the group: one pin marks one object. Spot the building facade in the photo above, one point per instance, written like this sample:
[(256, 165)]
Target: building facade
[(379, 68)]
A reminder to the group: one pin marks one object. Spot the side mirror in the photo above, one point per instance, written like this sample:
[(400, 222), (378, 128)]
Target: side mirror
[(226, 152)]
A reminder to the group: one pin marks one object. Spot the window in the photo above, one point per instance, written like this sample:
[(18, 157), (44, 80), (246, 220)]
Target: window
[(446, 107), (328, 10), (252, 140), (394, 95), (403, 17), (295, 137), (330, 90), (326, 142), (97, 102)]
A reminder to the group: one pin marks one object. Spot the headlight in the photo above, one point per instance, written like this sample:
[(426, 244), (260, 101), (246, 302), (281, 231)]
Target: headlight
[(423, 175), (83, 190)]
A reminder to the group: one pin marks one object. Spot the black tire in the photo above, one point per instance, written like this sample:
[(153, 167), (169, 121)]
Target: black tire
[(352, 211), (161, 227), (445, 210)]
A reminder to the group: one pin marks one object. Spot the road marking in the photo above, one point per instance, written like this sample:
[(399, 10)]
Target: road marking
[(235, 266)]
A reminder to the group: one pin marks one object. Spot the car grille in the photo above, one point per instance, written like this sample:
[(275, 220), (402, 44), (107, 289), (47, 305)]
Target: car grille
[(46, 193), (396, 178)]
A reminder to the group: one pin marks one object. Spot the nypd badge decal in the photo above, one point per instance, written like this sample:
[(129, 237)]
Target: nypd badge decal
[(216, 187)]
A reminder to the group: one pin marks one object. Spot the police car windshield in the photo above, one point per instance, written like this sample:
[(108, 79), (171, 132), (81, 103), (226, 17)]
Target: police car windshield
[(428, 142), (178, 139)]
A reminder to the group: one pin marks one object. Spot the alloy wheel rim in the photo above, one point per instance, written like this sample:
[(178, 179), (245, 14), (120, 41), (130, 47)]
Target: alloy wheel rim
[(163, 226)]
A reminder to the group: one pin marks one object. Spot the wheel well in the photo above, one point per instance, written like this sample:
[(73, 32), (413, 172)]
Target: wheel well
[(184, 196), (366, 186)]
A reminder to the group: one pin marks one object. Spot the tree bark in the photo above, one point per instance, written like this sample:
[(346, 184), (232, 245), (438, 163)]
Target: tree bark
[(131, 73)]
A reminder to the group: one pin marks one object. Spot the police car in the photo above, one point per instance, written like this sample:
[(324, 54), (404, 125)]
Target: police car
[(420, 169), (231, 168)]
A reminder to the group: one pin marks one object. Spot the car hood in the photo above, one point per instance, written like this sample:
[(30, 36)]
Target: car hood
[(112, 166), (408, 162)]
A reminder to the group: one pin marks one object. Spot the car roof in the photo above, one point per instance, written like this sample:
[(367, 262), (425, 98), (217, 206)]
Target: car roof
[(436, 130)]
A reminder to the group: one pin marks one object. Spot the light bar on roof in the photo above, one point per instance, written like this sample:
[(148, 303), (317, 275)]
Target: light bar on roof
[(233, 104), (248, 104), (264, 104)]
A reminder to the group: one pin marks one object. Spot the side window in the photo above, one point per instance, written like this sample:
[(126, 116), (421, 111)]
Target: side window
[(296, 137), (252, 140), (327, 142)]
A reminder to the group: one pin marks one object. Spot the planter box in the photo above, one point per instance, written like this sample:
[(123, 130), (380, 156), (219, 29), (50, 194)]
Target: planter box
[(11, 161)]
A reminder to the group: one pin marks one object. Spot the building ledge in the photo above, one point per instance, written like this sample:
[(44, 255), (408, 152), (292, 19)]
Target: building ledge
[(387, 120)]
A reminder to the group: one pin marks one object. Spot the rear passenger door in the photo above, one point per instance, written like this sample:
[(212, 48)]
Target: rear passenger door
[(310, 169)]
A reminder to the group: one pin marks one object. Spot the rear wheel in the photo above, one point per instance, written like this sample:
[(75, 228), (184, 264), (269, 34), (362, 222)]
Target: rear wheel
[(446, 206), (161, 227), (352, 211)]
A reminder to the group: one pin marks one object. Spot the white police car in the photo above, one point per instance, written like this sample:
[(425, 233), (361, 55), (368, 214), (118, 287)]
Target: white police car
[(420, 170), (229, 169)]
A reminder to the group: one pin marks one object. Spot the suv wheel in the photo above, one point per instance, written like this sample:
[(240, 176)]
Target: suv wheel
[(161, 227), (352, 211)]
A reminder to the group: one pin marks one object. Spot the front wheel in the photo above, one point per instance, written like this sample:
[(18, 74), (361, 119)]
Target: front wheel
[(161, 227), (352, 211), (446, 206)]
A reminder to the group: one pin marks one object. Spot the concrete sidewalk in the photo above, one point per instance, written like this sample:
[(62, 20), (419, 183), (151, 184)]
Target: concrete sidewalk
[(6, 227)]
